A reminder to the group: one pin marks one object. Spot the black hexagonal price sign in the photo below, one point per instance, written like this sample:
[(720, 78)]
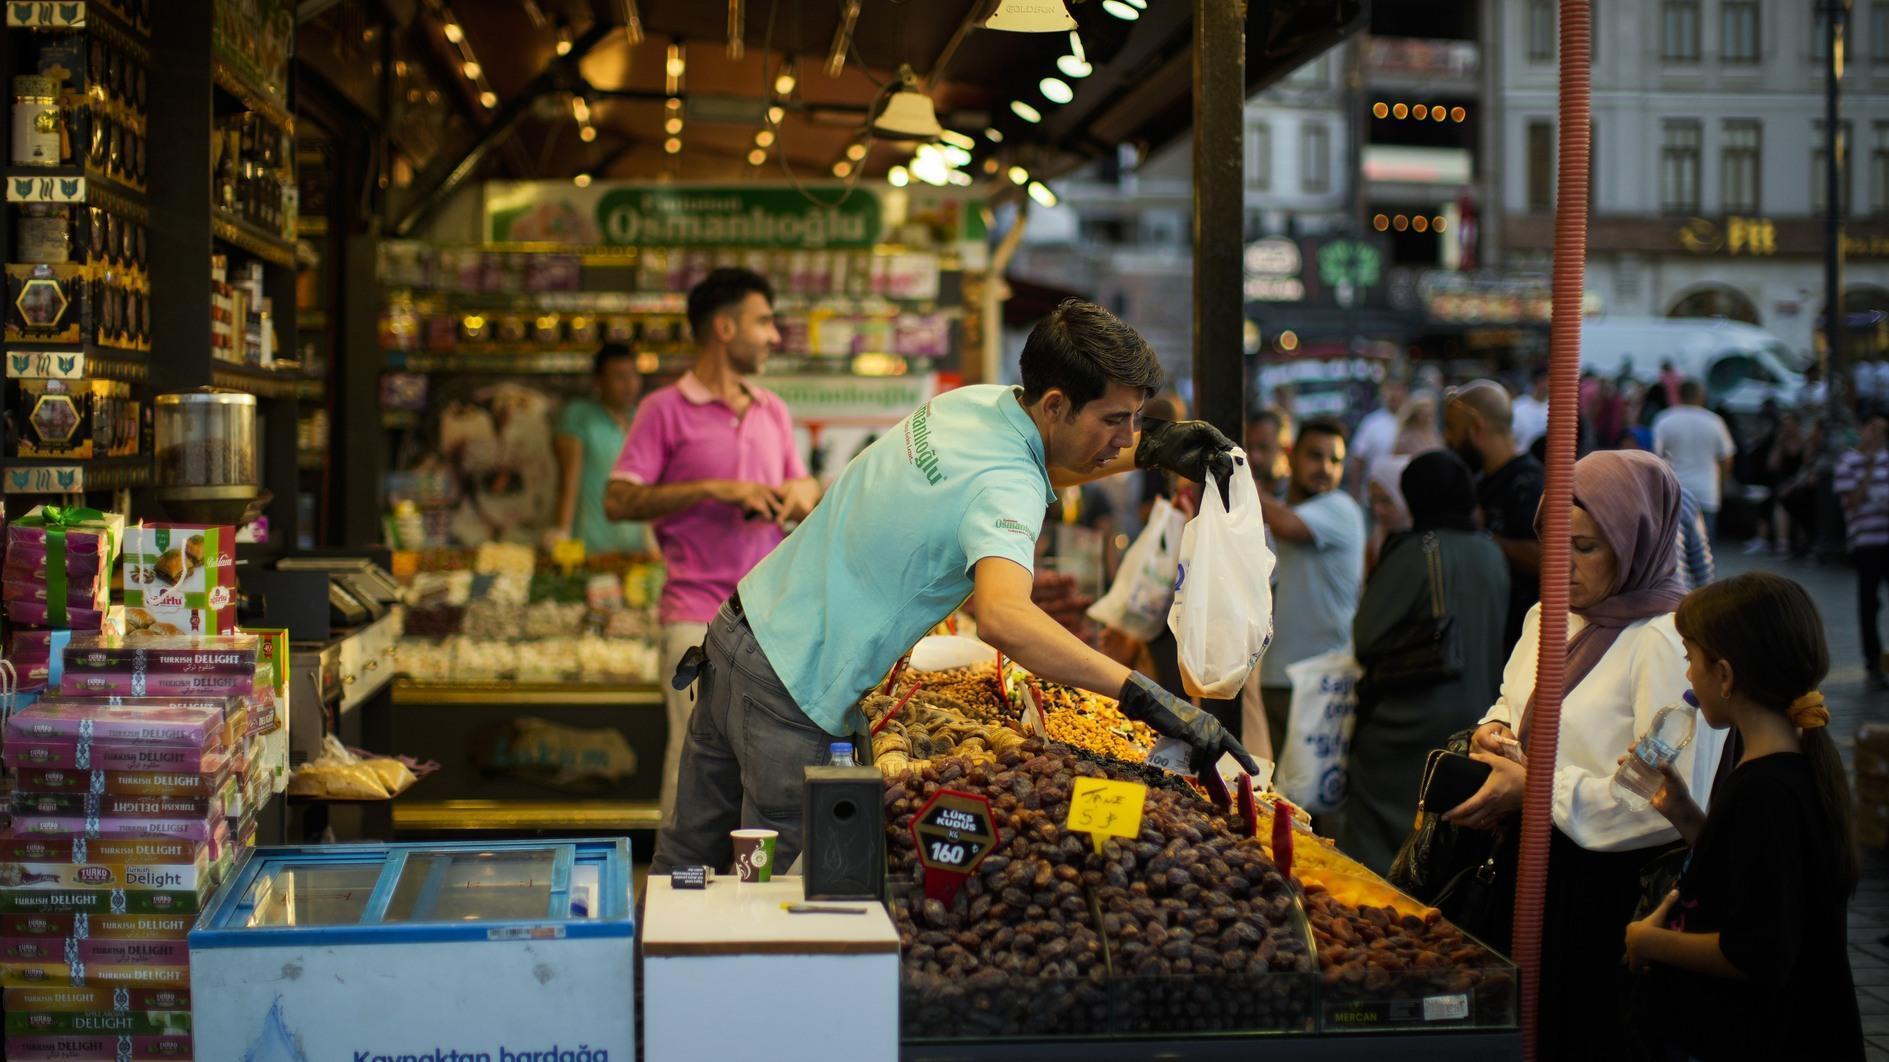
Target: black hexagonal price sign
[(954, 832)]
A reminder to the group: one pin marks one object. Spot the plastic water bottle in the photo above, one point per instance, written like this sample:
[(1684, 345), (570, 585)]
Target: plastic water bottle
[(840, 754), (1638, 776)]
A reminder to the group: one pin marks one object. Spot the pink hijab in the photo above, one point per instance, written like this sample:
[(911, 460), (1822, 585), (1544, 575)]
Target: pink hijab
[(1633, 498)]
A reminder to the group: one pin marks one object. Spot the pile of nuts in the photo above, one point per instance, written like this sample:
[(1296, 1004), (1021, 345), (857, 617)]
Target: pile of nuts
[(1090, 721), (1184, 927), (1367, 952)]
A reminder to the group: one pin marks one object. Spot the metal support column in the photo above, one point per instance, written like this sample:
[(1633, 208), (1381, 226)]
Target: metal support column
[(1835, 176), (179, 234), (1219, 213)]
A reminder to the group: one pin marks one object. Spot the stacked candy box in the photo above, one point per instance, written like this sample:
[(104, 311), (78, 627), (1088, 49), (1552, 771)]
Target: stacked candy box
[(120, 833), (180, 579), (56, 578)]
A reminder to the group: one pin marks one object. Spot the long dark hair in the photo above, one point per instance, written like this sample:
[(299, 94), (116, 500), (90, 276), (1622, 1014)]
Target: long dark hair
[(1770, 630)]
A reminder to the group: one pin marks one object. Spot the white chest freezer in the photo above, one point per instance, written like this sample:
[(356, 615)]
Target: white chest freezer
[(517, 949)]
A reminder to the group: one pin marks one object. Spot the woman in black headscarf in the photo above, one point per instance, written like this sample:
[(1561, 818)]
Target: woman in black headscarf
[(1406, 706)]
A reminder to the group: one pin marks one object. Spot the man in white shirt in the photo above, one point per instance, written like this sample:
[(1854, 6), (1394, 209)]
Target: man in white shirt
[(1696, 442), (1319, 530), (1376, 435), (1528, 414)]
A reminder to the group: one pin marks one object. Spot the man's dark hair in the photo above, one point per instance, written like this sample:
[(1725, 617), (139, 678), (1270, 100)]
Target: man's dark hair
[(1079, 349), (608, 353), (1266, 415), (1691, 393), (1324, 426), (721, 289)]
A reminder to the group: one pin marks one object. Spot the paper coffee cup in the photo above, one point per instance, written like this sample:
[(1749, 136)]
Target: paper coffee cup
[(754, 854)]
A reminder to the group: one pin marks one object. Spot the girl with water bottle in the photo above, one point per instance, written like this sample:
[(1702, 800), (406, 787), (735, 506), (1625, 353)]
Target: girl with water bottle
[(1748, 956)]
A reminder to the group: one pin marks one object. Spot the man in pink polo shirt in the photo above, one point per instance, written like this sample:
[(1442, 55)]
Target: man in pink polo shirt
[(710, 463)]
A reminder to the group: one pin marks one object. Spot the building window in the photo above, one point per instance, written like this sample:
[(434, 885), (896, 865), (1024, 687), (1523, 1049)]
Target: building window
[(1879, 170), (1740, 31), (1540, 165), (1259, 157), (1679, 168), (1315, 165), (1541, 35), (1313, 74), (1818, 179), (1740, 154), (1680, 34), (1879, 32)]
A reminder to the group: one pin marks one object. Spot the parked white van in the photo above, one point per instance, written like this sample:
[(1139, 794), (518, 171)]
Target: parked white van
[(1741, 365)]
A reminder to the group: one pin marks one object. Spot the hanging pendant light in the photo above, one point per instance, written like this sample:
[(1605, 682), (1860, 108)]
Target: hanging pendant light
[(908, 114), (1031, 16)]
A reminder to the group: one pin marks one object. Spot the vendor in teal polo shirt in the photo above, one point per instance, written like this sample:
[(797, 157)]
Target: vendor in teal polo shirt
[(589, 437), (945, 507)]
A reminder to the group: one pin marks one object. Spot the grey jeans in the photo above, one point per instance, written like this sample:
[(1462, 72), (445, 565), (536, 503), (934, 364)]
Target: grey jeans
[(743, 765)]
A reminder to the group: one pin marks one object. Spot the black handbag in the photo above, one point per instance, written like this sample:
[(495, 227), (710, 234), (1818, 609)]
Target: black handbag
[(1469, 875), (1427, 651)]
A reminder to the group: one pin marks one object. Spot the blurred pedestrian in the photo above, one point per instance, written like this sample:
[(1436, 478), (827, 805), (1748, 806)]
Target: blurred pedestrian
[(1268, 437), (1319, 530), (1399, 723), (1862, 482), (1384, 500), (1479, 425), (1376, 434), (1529, 411), (1417, 426), (1699, 446)]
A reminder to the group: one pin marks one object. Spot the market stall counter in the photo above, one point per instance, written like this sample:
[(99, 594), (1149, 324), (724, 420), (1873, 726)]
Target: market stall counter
[(735, 968)]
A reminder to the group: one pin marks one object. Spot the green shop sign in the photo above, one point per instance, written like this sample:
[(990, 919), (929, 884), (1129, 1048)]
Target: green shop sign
[(610, 214)]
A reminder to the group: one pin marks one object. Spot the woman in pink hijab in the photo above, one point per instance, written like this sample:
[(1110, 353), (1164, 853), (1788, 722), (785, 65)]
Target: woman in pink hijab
[(1625, 662)]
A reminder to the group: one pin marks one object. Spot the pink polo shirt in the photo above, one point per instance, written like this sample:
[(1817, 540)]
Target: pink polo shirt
[(683, 433)]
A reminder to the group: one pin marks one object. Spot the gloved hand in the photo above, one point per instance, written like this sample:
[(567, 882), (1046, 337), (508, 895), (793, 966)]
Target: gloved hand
[(1167, 714), (1190, 448)]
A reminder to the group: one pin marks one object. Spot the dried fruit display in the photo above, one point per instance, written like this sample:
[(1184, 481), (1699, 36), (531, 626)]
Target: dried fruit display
[(1197, 931), (1379, 963), (1090, 721), (929, 726)]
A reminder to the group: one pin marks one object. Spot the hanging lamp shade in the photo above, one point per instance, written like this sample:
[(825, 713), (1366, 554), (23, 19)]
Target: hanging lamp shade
[(908, 114), (1031, 16)]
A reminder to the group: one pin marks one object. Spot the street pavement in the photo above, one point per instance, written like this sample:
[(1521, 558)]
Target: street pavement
[(1851, 705)]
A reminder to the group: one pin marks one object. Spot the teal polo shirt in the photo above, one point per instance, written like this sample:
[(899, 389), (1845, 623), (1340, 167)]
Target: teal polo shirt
[(889, 550), (587, 421)]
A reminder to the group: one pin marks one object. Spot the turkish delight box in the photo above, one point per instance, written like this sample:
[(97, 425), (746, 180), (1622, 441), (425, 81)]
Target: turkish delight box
[(116, 850), (99, 901), (104, 724), (94, 1000), (90, 755), (104, 805), (179, 579), (92, 952), (87, 1048), (80, 924), (27, 824), (113, 1022), (194, 877), (146, 975)]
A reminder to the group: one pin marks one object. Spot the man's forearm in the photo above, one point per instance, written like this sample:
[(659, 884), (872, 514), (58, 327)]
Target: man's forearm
[(1283, 521), (1029, 636), (1697, 952), (624, 500)]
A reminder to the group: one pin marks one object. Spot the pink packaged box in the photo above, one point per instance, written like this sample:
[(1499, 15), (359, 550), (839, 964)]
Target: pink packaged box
[(216, 654), (37, 614), (85, 756), (192, 727), (134, 683), (26, 562), (115, 827), (84, 1048), (92, 597), (233, 711)]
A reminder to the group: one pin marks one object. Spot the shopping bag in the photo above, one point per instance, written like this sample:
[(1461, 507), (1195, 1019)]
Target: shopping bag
[(1222, 611), (1144, 583), (1317, 741)]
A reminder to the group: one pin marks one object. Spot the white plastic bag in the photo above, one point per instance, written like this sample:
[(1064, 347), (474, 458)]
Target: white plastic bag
[(1317, 741), (1222, 613), (1144, 584)]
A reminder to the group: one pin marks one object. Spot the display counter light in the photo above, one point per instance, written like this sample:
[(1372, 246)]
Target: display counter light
[(908, 114)]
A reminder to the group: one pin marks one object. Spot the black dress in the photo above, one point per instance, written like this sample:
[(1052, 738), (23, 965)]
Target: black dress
[(1764, 876)]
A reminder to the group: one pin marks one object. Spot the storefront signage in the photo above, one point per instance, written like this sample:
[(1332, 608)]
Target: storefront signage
[(1738, 236), (953, 832), (622, 214), (1350, 267), (1104, 808), (1273, 268)]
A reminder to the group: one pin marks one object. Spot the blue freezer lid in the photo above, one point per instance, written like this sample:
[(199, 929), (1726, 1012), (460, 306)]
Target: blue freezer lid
[(433, 891)]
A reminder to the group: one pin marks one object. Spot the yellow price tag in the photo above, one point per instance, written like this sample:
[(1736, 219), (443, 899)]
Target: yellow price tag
[(1103, 808), (568, 553)]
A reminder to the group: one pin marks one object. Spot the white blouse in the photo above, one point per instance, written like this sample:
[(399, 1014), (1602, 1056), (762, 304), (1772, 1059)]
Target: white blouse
[(1643, 671)]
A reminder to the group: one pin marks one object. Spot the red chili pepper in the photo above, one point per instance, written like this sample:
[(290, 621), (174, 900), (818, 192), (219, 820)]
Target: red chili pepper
[(1282, 837)]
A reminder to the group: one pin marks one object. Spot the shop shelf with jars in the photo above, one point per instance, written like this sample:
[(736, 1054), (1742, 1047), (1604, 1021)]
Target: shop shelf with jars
[(259, 381), (245, 235), (79, 108), (129, 20)]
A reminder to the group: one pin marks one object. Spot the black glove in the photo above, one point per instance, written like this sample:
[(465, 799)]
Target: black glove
[(1167, 714), (1190, 448)]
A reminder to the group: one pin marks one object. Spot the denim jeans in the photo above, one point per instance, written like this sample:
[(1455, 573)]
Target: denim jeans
[(743, 765)]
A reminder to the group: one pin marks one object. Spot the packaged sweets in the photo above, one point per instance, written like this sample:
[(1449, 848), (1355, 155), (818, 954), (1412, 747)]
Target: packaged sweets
[(110, 804), (212, 654), (55, 614), (60, 539), (43, 780), (91, 952), (94, 1000), (173, 876), (114, 1022), (100, 901), (77, 720), (82, 1048), (88, 755), (91, 827), (111, 850), (68, 924), (179, 579)]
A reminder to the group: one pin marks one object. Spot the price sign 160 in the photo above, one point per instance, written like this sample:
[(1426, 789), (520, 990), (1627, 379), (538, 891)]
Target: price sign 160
[(953, 833)]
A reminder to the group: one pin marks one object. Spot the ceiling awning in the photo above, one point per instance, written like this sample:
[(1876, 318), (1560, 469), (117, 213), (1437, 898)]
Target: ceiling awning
[(1139, 91)]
